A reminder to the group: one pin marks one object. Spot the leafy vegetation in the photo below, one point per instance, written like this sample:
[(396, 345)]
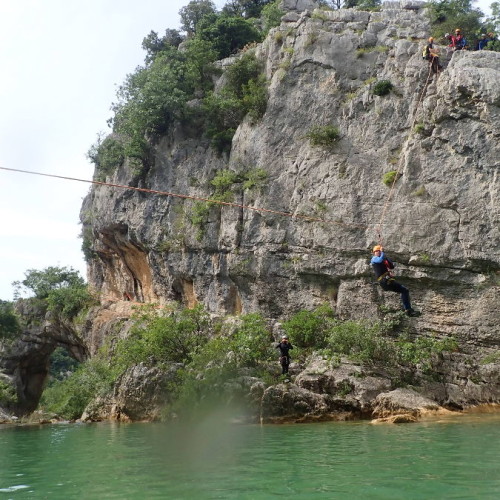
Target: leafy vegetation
[(211, 355), (7, 394), (69, 397), (323, 135), (226, 183), (309, 328), (9, 322), (382, 87), (244, 93), (163, 336), (389, 178), (62, 289), (156, 95)]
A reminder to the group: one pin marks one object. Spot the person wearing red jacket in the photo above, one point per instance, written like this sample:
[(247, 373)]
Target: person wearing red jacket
[(457, 40)]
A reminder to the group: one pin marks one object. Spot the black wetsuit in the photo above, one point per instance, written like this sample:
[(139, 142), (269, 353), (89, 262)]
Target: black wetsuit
[(284, 347), (382, 266)]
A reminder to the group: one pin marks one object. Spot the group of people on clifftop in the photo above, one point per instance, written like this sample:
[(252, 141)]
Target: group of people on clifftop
[(457, 41)]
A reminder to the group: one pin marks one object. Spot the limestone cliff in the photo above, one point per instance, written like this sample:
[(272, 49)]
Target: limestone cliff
[(440, 222)]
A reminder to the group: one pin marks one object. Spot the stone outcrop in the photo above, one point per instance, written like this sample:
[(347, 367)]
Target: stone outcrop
[(24, 363), (139, 394)]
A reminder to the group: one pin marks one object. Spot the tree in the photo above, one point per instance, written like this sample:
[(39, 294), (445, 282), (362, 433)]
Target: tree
[(228, 34), (447, 15), (153, 44), (41, 283), (9, 323), (245, 8), (493, 22), (194, 12), (271, 16)]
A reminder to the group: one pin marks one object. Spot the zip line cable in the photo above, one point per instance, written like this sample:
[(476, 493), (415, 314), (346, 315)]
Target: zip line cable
[(238, 205), (189, 197)]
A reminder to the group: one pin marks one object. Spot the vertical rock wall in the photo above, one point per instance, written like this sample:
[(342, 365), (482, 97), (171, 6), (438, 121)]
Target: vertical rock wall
[(440, 222)]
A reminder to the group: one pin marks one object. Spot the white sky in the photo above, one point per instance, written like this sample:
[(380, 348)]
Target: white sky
[(61, 62)]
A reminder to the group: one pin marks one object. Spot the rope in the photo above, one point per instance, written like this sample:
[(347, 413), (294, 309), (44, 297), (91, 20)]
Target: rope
[(247, 207), (189, 197), (396, 176)]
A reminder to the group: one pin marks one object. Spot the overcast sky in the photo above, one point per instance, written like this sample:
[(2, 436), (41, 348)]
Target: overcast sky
[(61, 62)]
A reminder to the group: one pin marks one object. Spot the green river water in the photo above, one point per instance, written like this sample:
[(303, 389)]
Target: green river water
[(452, 458)]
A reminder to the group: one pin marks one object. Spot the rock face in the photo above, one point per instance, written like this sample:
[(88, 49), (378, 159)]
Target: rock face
[(139, 394), (440, 222)]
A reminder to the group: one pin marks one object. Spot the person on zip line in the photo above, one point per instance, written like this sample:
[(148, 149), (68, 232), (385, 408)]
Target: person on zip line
[(382, 267)]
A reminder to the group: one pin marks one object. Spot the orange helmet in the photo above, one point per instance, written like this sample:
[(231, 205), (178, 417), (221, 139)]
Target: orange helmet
[(377, 248)]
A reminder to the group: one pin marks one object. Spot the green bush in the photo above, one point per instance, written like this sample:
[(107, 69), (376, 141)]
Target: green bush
[(309, 328), (244, 93), (389, 178), (493, 45), (228, 182), (162, 335), (9, 322), (8, 395), (420, 352), (323, 135), (382, 87), (106, 155), (271, 16), (360, 341), (68, 302), (245, 344), (69, 397)]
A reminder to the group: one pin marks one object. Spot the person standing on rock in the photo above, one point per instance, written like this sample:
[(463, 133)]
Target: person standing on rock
[(382, 266), (431, 55), (284, 346)]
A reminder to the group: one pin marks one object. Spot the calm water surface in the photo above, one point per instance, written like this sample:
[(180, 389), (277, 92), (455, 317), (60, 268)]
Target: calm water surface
[(455, 458)]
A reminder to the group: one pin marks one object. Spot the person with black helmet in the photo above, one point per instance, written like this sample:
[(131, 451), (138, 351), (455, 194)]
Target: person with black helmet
[(382, 267), (284, 346)]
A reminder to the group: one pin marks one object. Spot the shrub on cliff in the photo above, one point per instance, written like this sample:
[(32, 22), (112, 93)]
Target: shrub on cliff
[(382, 87), (162, 335), (309, 328), (244, 93), (9, 322), (323, 135)]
